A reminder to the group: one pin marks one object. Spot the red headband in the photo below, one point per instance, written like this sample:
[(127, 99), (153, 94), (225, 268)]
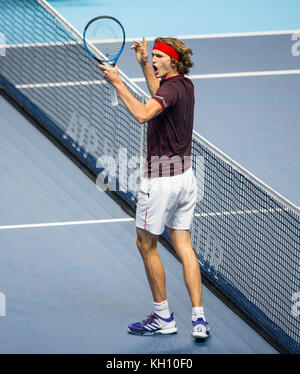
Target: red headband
[(167, 49)]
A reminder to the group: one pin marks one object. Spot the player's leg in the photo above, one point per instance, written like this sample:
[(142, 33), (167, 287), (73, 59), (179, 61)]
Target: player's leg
[(147, 245), (181, 242), (161, 321), (179, 229)]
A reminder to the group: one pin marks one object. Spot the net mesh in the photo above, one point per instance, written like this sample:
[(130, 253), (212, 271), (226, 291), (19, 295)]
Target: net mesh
[(247, 239)]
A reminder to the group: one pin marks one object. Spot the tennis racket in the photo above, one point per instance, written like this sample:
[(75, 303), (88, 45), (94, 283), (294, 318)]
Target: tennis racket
[(107, 35)]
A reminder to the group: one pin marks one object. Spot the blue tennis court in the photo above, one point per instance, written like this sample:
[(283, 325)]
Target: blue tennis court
[(70, 271), (75, 288)]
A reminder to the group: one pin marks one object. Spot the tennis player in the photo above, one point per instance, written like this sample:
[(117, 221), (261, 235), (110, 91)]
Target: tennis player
[(168, 193)]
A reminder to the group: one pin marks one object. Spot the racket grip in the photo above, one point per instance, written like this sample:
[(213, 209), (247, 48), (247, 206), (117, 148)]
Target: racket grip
[(113, 97)]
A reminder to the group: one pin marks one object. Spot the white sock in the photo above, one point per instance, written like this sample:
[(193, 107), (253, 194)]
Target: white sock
[(198, 312), (162, 309)]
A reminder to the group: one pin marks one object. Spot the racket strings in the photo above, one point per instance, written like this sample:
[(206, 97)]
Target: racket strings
[(107, 36)]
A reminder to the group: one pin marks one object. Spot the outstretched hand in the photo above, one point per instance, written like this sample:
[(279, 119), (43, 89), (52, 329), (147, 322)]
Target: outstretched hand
[(141, 51)]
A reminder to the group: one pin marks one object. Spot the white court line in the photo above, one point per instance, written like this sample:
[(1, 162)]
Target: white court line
[(225, 35), (246, 74), (239, 212), (236, 75), (58, 44), (118, 220), (239, 35), (60, 84), (67, 223), (36, 45), (152, 38), (137, 80)]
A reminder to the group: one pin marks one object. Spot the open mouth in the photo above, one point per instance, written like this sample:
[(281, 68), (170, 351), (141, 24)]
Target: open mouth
[(155, 69)]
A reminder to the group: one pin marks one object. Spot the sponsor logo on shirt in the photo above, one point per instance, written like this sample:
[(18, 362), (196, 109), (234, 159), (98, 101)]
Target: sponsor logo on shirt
[(161, 98)]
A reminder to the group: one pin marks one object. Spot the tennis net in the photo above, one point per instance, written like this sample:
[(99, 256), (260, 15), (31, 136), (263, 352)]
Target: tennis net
[(245, 235)]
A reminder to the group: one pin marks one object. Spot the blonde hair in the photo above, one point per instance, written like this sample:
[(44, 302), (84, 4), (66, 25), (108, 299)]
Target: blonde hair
[(185, 63)]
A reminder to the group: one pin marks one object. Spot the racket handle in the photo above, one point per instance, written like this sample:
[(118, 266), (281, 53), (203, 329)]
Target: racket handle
[(113, 97)]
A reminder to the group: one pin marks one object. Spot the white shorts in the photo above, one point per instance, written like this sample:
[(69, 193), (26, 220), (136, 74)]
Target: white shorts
[(166, 201)]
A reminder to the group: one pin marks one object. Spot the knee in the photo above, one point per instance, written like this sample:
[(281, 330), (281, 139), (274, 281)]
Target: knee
[(145, 247), (139, 244)]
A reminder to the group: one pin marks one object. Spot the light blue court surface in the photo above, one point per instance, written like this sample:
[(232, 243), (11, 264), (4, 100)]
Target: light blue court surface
[(75, 288), (191, 17)]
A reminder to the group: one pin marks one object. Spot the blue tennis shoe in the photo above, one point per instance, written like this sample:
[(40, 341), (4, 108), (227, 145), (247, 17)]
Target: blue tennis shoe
[(200, 329), (154, 324)]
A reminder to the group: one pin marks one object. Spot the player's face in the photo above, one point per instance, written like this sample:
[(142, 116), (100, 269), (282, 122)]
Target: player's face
[(163, 66)]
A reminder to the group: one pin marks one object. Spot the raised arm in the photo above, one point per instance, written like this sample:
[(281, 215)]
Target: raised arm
[(142, 58), (140, 111)]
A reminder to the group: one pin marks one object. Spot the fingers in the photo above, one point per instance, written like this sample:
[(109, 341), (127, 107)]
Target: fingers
[(106, 71), (140, 48), (139, 44), (103, 67), (107, 68)]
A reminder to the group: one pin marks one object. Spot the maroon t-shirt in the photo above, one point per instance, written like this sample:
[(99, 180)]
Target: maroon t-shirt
[(169, 134)]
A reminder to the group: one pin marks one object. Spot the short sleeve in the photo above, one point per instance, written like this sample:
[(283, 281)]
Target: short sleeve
[(166, 95)]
